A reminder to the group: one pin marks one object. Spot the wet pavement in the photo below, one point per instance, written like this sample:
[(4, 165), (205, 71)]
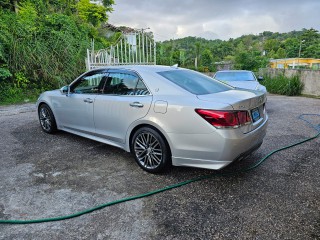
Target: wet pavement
[(43, 175)]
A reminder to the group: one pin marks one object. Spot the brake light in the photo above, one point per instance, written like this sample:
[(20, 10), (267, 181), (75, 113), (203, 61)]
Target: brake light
[(225, 119), (244, 117)]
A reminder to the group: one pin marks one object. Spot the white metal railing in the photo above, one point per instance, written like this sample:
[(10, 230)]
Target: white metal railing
[(138, 48)]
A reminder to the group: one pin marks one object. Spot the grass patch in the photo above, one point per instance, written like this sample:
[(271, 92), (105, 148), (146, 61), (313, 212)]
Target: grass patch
[(14, 95), (290, 86)]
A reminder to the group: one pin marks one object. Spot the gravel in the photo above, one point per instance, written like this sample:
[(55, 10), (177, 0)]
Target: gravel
[(45, 175)]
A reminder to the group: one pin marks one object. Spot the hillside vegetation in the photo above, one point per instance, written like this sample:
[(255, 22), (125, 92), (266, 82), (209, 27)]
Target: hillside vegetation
[(43, 43), (246, 52)]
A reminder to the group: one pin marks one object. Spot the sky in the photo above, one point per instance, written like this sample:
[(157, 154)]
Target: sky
[(215, 19)]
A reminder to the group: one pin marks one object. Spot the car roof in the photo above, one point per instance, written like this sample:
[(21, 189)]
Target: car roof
[(149, 74), (234, 71), (152, 68)]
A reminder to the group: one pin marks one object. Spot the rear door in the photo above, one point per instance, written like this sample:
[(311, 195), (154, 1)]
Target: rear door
[(125, 99)]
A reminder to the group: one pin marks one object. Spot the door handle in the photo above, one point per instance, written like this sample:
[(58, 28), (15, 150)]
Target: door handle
[(88, 100), (136, 104)]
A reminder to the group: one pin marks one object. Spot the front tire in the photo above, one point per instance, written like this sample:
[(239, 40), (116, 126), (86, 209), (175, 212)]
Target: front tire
[(46, 118), (150, 150)]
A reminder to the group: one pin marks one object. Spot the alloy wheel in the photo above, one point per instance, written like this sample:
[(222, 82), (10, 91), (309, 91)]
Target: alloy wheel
[(45, 119), (148, 150)]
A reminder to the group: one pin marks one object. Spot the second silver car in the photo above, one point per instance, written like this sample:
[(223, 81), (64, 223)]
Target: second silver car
[(240, 79)]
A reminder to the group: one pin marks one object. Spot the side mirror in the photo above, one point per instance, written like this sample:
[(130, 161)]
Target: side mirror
[(64, 90), (260, 78)]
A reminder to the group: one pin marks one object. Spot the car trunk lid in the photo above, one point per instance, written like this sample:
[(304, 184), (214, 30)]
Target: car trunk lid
[(243, 84), (251, 101)]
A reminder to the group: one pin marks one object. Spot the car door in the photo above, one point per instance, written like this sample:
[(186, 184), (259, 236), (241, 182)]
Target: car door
[(124, 100), (75, 110)]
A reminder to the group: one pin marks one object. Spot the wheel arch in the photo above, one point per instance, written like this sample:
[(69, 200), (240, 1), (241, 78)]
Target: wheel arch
[(42, 102), (47, 101)]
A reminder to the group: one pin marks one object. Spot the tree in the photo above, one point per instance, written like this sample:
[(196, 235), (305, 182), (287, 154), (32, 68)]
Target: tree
[(281, 53), (197, 49), (248, 60), (311, 35), (92, 13), (312, 51), (310, 41), (43, 43), (27, 16), (292, 47), (108, 4), (271, 44), (182, 58), (207, 59)]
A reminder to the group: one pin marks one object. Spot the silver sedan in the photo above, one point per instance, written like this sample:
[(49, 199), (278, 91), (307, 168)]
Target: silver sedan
[(163, 115), (240, 79)]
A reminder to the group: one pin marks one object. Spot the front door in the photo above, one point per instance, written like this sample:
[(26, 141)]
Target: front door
[(75, 110)]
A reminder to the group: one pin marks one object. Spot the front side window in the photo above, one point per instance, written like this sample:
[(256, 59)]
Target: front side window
[(90, 83), (194, 82)]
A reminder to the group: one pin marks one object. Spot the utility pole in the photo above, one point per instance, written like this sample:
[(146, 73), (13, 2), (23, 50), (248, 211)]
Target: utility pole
[(300, 51)]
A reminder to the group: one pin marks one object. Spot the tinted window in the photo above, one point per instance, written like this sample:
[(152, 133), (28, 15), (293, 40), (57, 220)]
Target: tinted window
[(124, 84), (141, 89), (90, 83), (235, 76), (194, 82)]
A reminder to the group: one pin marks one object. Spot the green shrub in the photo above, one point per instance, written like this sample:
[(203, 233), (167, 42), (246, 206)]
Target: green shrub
[(11, 94), (290, 86), (4, 73), (42, 49)]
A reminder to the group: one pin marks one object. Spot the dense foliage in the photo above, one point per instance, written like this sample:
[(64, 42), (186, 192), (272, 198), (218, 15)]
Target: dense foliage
[(249, 52), (290, 86), (43, 43)]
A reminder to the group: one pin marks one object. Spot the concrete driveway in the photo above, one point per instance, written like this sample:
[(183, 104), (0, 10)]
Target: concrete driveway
[(44, 175)]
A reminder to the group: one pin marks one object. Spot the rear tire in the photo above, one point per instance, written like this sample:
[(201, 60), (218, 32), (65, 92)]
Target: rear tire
[(150, 150), (46, 118)]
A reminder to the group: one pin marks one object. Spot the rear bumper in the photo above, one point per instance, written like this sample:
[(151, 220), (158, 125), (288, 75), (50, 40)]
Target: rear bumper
[(215, 150)]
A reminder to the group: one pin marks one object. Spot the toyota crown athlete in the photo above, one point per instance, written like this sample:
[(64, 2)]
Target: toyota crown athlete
[(163, 115)]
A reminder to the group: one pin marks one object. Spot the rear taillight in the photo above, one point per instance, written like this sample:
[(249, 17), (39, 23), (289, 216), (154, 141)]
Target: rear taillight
[(225, 119)]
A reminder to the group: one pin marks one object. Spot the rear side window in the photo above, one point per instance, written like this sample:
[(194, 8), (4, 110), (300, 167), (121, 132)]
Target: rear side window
[(124, 84), (194, 82)]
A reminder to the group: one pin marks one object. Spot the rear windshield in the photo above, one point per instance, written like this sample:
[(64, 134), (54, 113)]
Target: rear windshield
[(194, 82), (235, 76)]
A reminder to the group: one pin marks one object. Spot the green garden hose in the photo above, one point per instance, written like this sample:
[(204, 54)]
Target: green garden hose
[(253, 166)]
